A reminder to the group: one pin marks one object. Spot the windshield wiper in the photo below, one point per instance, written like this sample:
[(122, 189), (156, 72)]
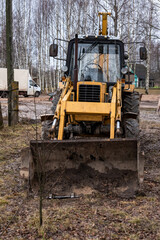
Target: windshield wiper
[(89, 49)]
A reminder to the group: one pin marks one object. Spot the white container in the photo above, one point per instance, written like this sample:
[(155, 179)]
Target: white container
[(27, 87)]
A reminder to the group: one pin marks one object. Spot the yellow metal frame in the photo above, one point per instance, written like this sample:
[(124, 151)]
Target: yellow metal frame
[(89, 111), (102, 88), (69, 104), (104, 30), (129, 88)]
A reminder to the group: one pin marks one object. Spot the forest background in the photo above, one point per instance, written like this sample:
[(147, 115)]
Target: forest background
[(36, 23)]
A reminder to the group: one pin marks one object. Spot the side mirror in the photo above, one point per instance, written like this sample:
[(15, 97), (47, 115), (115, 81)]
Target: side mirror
[(53, 50), (143, 53), (125, 56)]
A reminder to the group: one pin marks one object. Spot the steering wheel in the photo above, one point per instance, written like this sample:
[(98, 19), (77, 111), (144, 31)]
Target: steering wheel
[(86, 66)]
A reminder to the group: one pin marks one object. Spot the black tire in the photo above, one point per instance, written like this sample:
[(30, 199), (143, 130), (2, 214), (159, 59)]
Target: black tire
[(131, 103), (131, 128), (4, 95), (37, 94), (46, 125)]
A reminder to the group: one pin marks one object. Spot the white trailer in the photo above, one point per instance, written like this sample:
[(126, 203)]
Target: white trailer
[(27, 87)]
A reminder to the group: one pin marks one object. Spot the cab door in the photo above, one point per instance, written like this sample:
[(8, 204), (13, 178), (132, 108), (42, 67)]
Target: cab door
[(30, 87)]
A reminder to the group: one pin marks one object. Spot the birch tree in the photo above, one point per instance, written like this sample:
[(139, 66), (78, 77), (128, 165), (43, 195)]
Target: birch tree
[(37, 23)]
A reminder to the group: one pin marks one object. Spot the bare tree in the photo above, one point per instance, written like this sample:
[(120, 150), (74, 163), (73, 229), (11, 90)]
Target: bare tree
[(1, 118), (37, 23)]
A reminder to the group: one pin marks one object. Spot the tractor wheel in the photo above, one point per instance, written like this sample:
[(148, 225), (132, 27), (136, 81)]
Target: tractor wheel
[(131, 103), (131, 128), (4, 95), (46, 125)]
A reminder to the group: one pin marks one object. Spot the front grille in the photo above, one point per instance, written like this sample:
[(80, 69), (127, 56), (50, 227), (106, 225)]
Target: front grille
[(89, 93)]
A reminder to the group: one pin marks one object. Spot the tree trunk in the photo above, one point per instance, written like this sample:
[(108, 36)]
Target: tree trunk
[(41, 206), (149, 49), (10, 74), (2, 41), (116, 19), (148, 65), (1, 118), (12, 86)]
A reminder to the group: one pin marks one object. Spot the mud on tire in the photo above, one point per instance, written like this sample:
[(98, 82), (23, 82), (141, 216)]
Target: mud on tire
[(131, 103), (131, 128), (46, 125)]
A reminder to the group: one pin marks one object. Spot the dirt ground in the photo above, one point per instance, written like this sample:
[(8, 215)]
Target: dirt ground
[(29, 108), (96, 214)]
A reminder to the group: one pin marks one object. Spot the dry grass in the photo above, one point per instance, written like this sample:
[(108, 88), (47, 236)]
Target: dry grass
[(94, 216)]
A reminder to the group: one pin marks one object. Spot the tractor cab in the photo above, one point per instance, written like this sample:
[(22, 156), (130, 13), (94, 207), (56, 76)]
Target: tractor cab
[(99, 59)]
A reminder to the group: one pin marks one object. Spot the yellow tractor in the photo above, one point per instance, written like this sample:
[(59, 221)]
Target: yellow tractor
[(96, 121)]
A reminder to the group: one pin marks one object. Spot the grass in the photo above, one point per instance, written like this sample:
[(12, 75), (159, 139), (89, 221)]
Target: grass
[(3, 201), (95, 216), (117, 212), (13, 139), (136, 220), (148, 199), (145, 223)]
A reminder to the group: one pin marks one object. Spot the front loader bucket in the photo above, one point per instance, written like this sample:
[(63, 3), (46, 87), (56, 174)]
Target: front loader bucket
[(103, 155)]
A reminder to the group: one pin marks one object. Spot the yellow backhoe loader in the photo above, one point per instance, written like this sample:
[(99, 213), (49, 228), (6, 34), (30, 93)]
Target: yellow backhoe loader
[(96, 121)]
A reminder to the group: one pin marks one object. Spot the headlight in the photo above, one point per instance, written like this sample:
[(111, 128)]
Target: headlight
[(64, 69), (124, 70)]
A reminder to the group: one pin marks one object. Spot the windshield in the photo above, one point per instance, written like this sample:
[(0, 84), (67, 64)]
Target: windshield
[(97, 62), (32, 83)]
